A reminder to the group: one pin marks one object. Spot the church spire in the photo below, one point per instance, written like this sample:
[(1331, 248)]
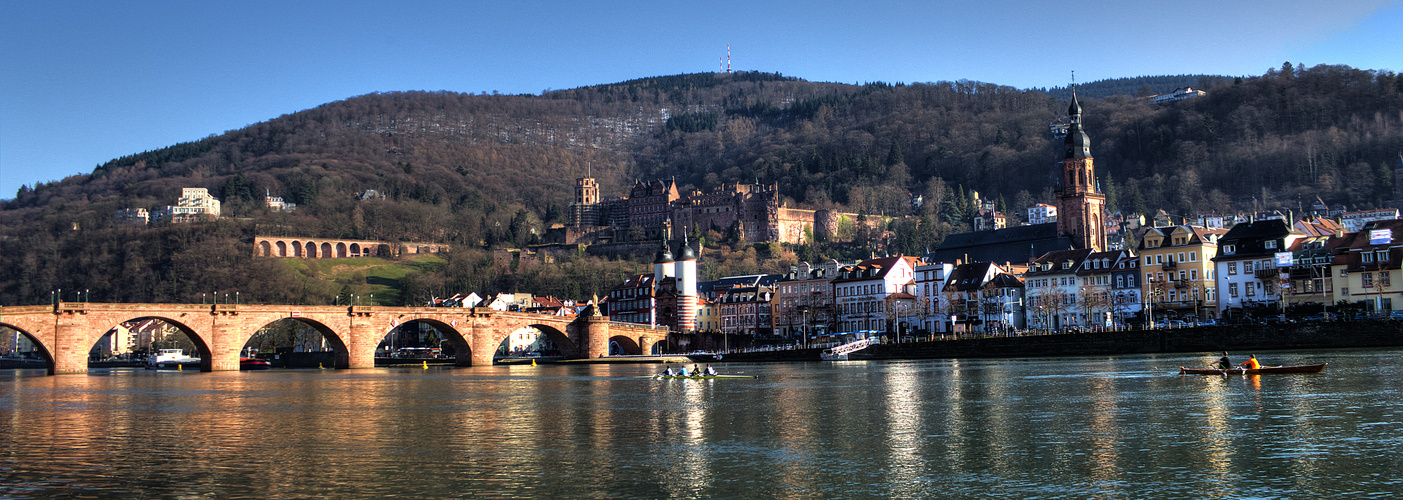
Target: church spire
[(1078, 144)]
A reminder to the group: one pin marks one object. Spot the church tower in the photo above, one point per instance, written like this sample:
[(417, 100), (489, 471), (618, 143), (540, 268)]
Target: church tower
[(1080, 207)]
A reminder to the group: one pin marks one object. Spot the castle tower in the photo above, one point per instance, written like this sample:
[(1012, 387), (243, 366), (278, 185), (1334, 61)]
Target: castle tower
[(584, 211), (687, 288), (1080, 207)]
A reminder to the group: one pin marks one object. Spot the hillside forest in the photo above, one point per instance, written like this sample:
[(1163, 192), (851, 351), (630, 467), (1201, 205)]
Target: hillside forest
[(483, 171)]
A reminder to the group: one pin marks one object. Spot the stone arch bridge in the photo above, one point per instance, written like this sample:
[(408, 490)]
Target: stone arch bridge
[(66, 332)]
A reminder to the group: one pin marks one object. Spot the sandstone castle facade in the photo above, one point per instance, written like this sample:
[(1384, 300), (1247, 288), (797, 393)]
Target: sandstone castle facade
[(657, 210)]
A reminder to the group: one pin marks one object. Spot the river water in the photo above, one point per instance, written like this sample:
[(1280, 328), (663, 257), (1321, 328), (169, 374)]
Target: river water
[(1094, 427)]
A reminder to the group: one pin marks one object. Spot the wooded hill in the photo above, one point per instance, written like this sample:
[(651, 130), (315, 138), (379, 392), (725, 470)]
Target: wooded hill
[(475, 170)]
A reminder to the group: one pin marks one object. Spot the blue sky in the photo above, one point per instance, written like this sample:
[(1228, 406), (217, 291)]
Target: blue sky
[(85, 82)]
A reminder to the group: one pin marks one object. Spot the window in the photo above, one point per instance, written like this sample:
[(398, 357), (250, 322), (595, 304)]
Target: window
[(1159, 259), (1271, 244), (1232, 269), (1181, 275), (1367, 279), (1181, 256), (1120, 281), (1383, 279), (1250, 289), (1247, 267), (1229, 249), (1149, 277), (1368, 257), (1149, 260), (1193, 256), (1193, 274), (1232, 290)]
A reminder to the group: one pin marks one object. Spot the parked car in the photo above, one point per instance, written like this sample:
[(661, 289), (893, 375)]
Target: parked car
[(1321, 317), (1206, 322), (1397, 315)]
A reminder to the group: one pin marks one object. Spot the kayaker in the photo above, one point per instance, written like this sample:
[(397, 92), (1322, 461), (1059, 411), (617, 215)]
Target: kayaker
[(710, 372), (1224, 363), (1251, 363)]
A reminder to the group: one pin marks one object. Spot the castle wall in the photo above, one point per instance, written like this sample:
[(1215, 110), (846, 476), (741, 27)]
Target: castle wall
[(793, 222)]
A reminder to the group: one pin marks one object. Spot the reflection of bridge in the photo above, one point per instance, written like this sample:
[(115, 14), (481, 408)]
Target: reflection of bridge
[(67, 331)]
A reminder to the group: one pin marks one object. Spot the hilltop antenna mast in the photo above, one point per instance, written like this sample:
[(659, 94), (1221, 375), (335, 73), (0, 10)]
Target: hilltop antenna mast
[(728, 58)]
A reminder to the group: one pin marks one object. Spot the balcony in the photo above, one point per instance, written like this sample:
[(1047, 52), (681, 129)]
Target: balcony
[(1169, 264), (1265, 274)]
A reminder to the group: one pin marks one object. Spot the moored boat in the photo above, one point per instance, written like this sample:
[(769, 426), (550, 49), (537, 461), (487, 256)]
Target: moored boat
[(1258, 371), (172, 359), (254, 364)]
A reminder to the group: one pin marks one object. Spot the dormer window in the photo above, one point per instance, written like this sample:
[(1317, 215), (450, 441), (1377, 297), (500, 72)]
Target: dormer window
[(1271, 244), (1229, 249)]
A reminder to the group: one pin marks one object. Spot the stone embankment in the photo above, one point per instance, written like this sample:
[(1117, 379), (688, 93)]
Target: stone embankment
[(1213, 339)]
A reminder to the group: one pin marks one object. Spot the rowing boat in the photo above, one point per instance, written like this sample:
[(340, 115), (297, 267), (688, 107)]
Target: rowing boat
[(695, 377), (1245, 371)]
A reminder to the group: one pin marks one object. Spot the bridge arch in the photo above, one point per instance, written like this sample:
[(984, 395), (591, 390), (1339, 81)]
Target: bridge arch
[(462, 348), (625, 345), (325, 252), (39, 345), (201, 342), (340, 250), (335, 341), (559, 338)]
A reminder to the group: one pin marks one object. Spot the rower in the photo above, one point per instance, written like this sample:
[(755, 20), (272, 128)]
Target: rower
[(668, 372), (1252, 363), (1224, 363), (710, 371), (682, 372)]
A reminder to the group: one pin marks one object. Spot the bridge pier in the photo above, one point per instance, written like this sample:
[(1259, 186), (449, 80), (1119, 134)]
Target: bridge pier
[(224, 341), (70, 341), (596, 341), (481, 339), (361, 344), (645, 344)]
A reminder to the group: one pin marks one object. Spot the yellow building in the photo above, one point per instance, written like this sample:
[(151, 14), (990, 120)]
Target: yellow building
[(1177, 265), (1368, 271), (708, 316)]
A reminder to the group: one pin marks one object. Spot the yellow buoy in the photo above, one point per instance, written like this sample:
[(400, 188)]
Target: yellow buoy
[(319, 366), (179, 367), (426, 365), (533, 362)]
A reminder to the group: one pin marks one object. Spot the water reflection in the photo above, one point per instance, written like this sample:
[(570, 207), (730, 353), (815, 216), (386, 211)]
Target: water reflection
[(1084, 427)]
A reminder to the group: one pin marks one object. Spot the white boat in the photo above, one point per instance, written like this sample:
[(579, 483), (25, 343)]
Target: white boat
[(840, 353), (172, 359)]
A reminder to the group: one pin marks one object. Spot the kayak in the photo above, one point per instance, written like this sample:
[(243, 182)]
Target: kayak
[(1245, 371), (693, 377)]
